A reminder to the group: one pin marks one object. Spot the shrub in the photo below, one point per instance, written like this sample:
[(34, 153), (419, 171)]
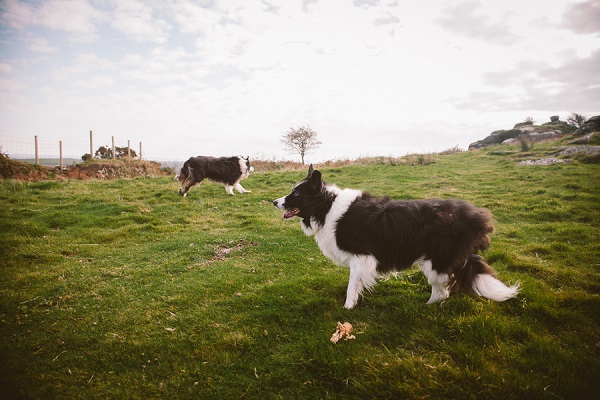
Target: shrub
[(526, 143), (451, 150)]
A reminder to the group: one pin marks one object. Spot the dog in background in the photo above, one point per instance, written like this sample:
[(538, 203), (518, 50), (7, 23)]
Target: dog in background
[(226, 170), (374, 237)]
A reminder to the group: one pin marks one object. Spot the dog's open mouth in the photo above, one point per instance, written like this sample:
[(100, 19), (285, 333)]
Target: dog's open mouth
[(291, 213)]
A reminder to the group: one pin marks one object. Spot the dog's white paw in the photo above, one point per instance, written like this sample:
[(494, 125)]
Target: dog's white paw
[(350, 304), (438, 294)]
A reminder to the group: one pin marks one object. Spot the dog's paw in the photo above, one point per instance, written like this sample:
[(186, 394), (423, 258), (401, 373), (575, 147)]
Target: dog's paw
[(350, 304)]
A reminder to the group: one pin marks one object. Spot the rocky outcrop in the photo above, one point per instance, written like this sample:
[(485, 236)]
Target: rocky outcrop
[(581, 153), (584, 150), (536, 136), (491, 140), (589, 138), (542, 161), (527, 131), (514, 135), (591, 125)]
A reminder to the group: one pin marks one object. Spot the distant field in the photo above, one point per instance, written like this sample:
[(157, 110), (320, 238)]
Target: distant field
[(51, 162), (122, 289)]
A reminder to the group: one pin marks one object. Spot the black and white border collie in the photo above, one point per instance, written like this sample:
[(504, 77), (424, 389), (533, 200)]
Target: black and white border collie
[(378, 236), (226, 170)]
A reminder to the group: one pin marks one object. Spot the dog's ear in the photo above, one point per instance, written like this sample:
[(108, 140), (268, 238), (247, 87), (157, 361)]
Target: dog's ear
[(310, 172), (315, 181)]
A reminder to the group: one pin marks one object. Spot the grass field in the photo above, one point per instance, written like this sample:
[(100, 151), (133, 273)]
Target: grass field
[(123, 290)]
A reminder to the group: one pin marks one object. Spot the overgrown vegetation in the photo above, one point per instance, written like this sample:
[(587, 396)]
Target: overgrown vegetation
[(119, 168), (122, 289), (93, 169), (11, 169)]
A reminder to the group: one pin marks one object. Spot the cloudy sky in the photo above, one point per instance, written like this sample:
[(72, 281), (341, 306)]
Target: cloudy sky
[(225, 77)]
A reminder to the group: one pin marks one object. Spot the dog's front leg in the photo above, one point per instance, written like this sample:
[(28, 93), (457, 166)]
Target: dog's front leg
[(185, 187), (240, 189), (229, 189), (363, 275), (354, 286)]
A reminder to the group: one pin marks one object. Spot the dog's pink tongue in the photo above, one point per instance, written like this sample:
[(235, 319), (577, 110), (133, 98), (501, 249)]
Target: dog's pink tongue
[(291, 213)]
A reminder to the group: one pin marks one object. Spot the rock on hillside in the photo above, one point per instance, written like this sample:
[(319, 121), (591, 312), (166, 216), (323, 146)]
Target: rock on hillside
[(590, 126), (535, 133)]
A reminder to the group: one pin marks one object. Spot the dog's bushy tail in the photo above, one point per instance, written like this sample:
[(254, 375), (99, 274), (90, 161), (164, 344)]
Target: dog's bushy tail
[(478, 276)]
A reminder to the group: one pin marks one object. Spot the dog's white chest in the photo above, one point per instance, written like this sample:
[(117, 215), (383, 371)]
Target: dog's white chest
[(325, 234)]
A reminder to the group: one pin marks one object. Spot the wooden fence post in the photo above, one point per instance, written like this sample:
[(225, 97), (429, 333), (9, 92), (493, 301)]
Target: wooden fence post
[(113, 148), (128, 149), (140, 151), (36, 150), (61, 158), (91, 146)]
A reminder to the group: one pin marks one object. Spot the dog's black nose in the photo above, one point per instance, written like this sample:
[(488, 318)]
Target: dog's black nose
[(275, 203)]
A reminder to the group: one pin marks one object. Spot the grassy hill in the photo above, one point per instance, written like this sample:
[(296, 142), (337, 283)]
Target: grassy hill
[(122, 289)]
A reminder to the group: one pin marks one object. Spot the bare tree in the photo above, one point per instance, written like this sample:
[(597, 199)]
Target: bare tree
[(300, 140), (576, 120)]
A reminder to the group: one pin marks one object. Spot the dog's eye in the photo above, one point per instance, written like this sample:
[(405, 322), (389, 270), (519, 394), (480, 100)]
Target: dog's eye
[(295, 194)]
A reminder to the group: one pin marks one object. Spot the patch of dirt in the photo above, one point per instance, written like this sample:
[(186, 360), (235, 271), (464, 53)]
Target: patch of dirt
[(223, 250)]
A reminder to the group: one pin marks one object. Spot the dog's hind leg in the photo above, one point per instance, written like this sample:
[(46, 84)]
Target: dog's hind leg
[(438, 282), (363, 274), (228, 189)]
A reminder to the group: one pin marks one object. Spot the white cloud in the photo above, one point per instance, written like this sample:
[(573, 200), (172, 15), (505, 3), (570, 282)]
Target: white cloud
[(6, 68), (365, 3), (574, 85), (138, 20), (469, 19), (17, 14), (387, 18), (582, 17), (192, 18), (76, 17), (39, 44)]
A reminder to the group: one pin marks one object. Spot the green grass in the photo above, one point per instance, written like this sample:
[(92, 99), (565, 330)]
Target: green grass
[(123, 289)]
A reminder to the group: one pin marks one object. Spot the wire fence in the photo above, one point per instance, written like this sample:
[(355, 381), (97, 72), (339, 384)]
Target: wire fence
[(38, 149)]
